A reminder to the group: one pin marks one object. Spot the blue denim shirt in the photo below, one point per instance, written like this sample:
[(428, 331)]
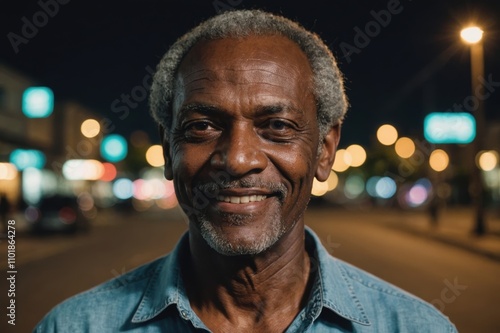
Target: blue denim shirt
[(152, 298)]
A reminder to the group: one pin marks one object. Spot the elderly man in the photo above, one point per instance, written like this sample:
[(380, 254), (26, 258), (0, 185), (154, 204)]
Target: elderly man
[(249, 106)]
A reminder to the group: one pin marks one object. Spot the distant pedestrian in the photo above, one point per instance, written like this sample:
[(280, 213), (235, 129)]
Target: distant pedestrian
[(434, 211)]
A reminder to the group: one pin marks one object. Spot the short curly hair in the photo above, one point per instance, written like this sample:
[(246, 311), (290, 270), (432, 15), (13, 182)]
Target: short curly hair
[(331, 101)]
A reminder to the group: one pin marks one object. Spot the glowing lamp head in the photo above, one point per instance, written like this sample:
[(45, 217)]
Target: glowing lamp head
[(471, 35)]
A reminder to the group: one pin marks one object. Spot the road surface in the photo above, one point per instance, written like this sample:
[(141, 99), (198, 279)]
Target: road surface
[(465, 286)]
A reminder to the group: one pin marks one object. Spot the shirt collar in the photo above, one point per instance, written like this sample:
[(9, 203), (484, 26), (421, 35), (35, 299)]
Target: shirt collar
[(337, 292), (166, 287)]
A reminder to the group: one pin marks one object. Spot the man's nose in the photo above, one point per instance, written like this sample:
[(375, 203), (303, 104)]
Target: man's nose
[(239, 152)]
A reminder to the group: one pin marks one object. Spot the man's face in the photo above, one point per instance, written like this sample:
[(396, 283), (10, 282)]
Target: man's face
[(243, 148)]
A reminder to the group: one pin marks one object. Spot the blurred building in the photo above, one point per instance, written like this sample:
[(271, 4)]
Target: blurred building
[(56, 138)]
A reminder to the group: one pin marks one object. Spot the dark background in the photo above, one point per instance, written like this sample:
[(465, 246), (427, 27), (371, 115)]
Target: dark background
[(94, 52)]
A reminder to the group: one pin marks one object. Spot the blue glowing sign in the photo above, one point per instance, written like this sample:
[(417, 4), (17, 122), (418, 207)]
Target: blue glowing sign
[(114, 148), (27, 158), (38, 102), (449, 127)]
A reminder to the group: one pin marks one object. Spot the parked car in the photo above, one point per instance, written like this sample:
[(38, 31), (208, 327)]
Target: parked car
[(57, 214)]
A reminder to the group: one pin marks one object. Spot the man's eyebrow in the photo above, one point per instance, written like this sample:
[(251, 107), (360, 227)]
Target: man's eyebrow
[(208, 109), (200, 108), (277, 108)]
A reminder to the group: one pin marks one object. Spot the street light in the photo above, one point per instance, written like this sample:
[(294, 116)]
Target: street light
[(473, 36)]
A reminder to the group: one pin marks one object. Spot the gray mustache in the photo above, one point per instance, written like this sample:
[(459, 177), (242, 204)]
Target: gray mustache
[(212, 189)]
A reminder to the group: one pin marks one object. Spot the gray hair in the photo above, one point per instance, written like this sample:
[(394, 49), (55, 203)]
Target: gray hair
[(331, 102)]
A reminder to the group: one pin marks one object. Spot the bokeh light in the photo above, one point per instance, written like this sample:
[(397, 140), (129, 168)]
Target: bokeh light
[(114, 148), (387, 134), (90, 128), (343, 160), (150, 189), (154, 156), (169, 200), (354, 186), (38, 102), (32, 180), (487, 160), (319, 188), (82, 170), (404, 147), (358, 155), (8, 171), (123, 188), (27, 158), (370, 186), (417, 195), (385, 187), (439, 160), (332, 181), (109, 172)]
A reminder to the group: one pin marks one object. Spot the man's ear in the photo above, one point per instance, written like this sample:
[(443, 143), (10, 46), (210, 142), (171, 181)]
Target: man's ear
[(327, 156), (166, 153)]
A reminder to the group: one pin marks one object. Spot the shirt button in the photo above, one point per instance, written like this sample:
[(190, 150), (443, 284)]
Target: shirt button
[(184, 314)]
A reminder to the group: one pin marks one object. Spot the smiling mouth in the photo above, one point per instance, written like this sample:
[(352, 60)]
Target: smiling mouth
[(241, 199)]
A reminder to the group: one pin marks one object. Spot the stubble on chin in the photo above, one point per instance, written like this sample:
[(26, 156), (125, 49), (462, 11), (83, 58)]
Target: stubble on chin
[(221, 243)]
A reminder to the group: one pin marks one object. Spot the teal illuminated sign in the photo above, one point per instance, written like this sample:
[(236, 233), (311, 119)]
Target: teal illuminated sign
[(450, 127), (38, 102)]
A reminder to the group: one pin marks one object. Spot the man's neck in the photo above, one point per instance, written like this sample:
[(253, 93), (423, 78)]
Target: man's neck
[(261, 292)]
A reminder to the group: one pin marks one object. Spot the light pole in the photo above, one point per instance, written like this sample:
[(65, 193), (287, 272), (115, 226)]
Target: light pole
[(474, 36)]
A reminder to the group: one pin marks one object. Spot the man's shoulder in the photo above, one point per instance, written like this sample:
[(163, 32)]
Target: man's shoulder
[(112, 301), (381, 299)]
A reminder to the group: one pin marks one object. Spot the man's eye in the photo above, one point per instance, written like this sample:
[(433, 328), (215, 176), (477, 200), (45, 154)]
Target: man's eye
[(198, 126), (199, 130), (278, 125)]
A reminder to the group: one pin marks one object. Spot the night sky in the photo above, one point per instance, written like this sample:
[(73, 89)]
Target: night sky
[(94, 52)]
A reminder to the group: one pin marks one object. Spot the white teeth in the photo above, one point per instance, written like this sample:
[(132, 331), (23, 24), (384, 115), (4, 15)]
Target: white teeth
[(242, 199)]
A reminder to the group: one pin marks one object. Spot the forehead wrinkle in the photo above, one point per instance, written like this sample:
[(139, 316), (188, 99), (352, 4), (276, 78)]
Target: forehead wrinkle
[(232, 81), (229, 74), (270, 66)]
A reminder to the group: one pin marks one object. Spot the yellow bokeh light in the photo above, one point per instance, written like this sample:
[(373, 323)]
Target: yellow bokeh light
[(487, 160), (319, 188), (405, 147), (8, 171), (439, 160), (154, 156), (358, 155), (343, 160), (332, 181), (90, 128), (387, 134), (471, 35)]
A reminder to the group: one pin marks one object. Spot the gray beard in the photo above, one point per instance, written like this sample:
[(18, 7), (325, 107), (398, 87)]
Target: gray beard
[(217, 241), (222, 245)]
